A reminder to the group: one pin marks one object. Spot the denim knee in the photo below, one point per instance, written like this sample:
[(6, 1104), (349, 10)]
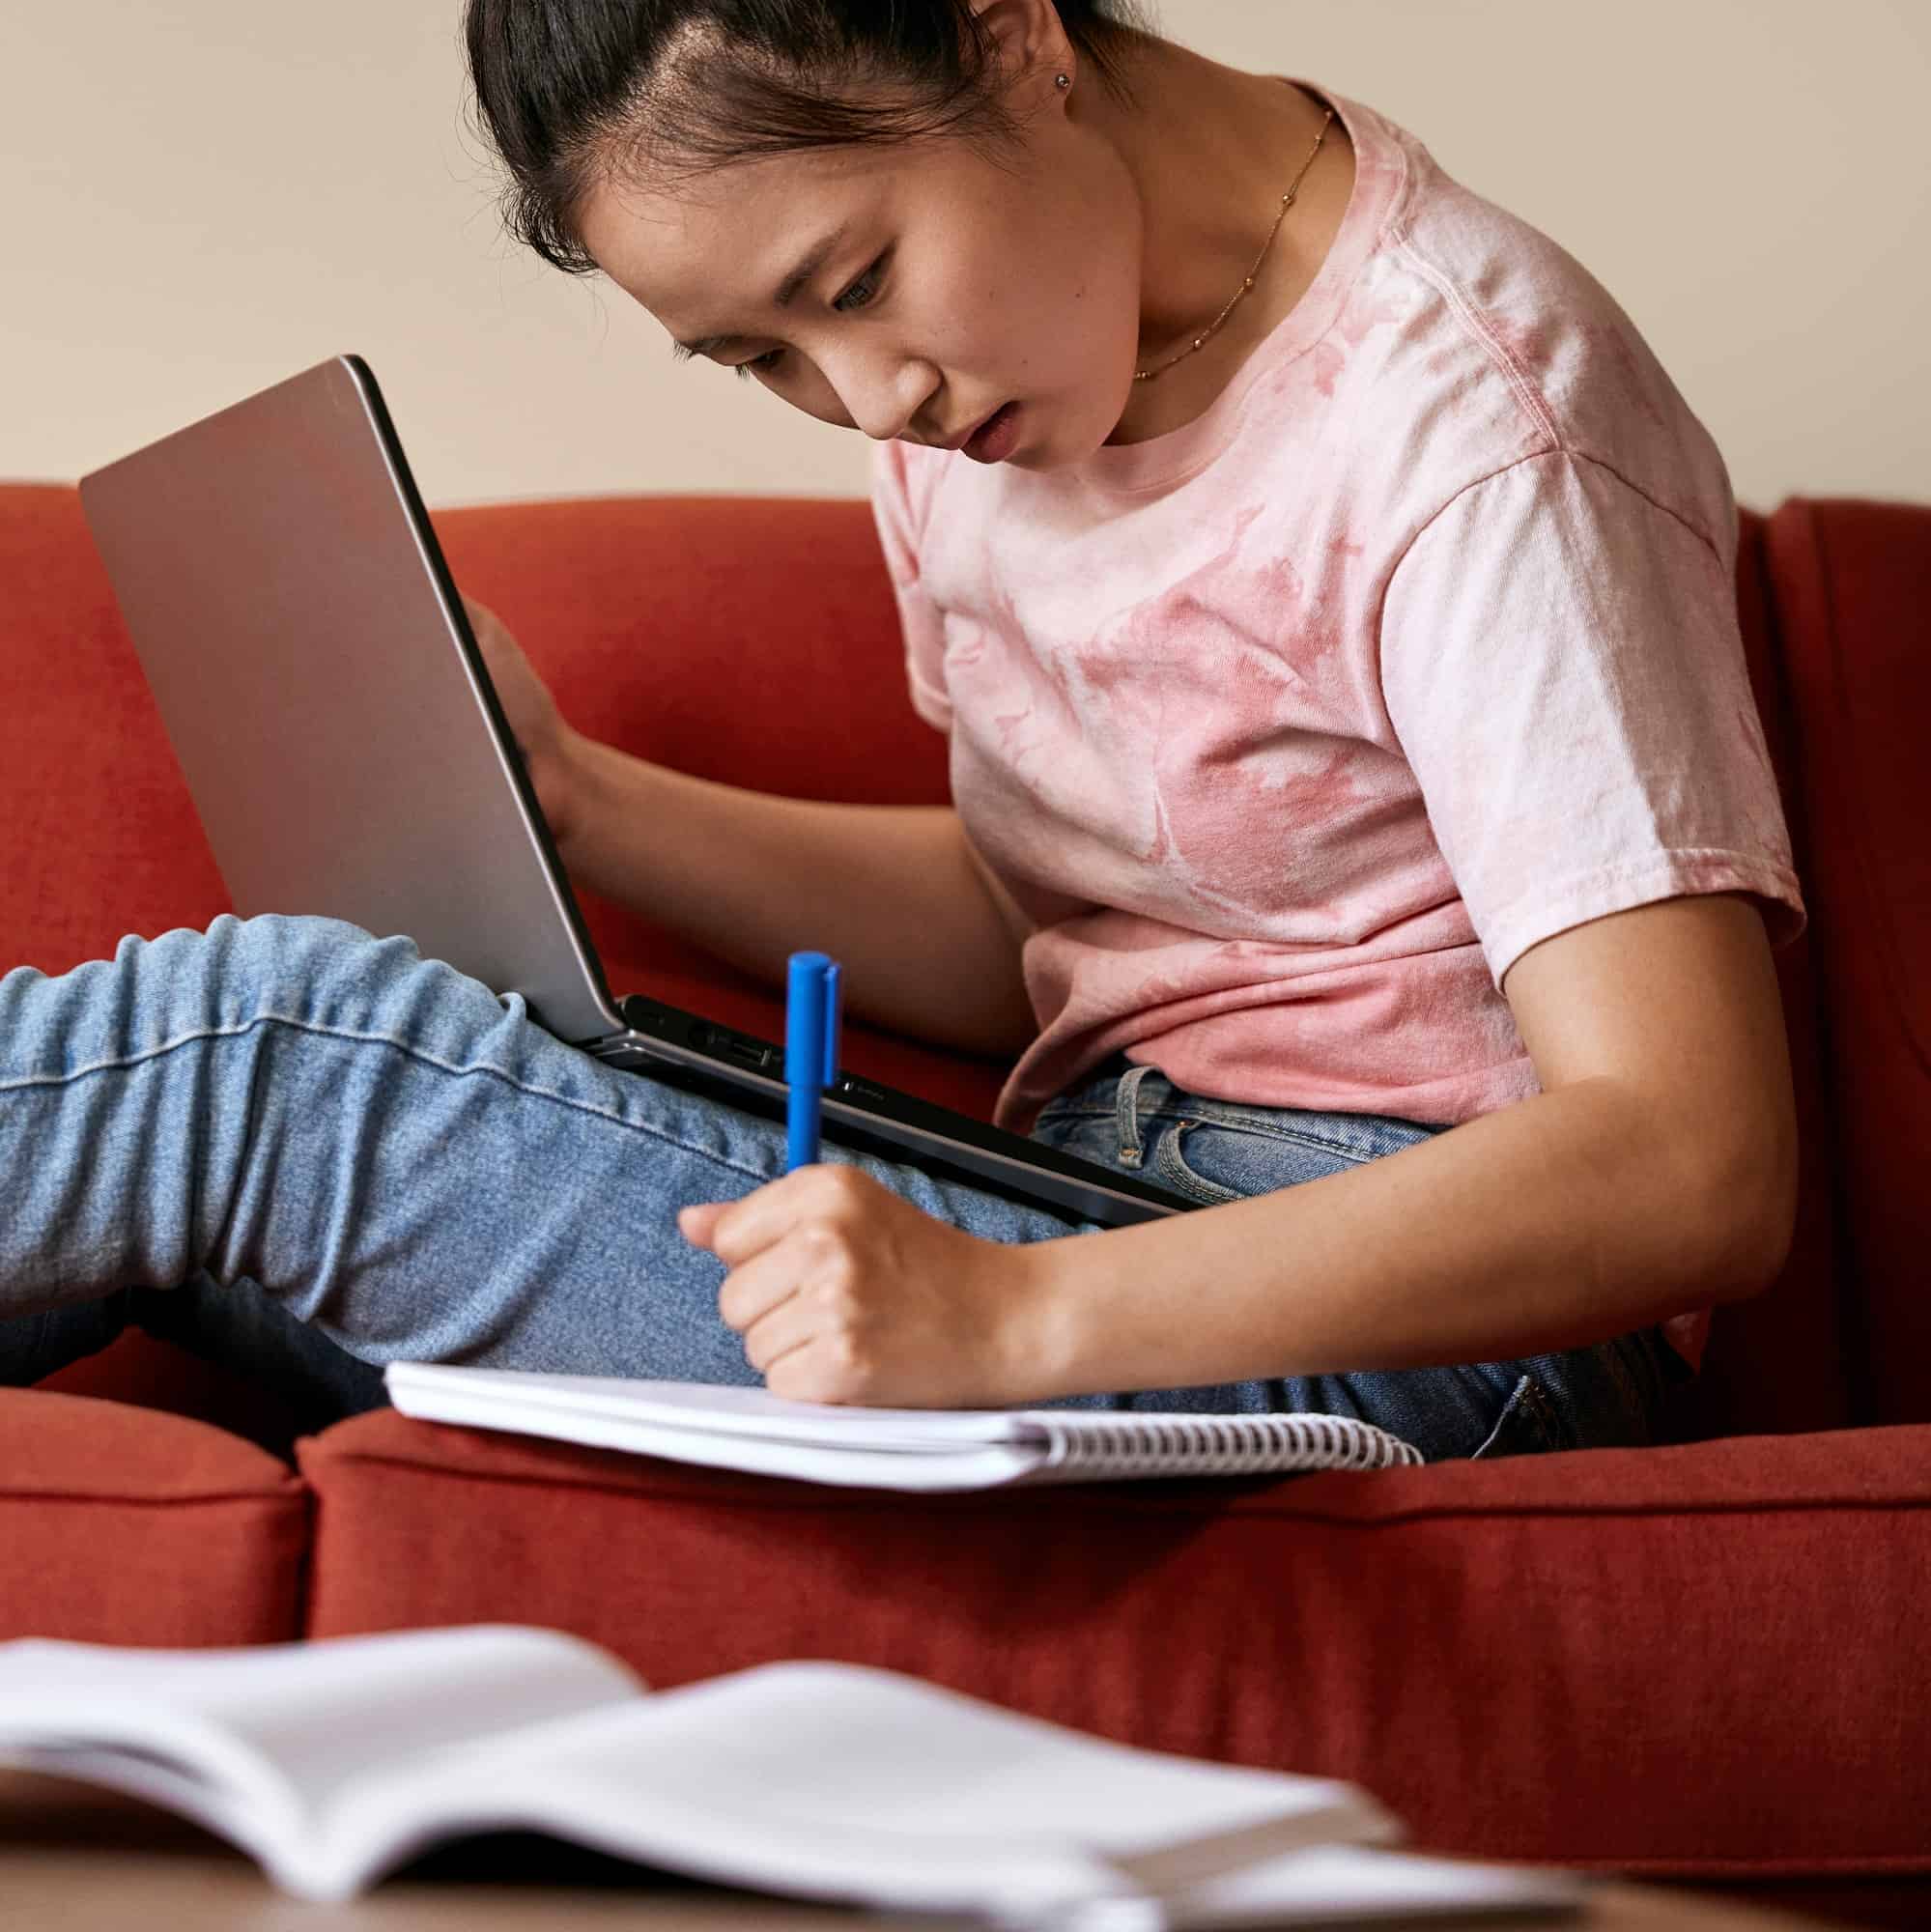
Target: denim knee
[(310, 970), (299, 963), (234, 971), (279, 952)]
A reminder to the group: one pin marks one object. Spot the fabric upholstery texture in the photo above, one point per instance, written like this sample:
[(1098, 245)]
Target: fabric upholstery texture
[(1852, 596), (120, 1525)]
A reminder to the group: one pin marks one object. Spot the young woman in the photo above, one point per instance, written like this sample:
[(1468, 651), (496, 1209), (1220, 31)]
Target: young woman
[(1361, 821)]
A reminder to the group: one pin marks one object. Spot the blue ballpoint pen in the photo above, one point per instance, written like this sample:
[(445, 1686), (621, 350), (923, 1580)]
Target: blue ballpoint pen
[(811, 1049)]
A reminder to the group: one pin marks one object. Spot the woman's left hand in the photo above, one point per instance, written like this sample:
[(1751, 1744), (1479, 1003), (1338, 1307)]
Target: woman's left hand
[(844, 1292)]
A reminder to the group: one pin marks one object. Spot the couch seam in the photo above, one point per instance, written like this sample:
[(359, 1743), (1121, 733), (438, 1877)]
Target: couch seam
[(1005, 1498), (17, 1495), (1852, 1866)]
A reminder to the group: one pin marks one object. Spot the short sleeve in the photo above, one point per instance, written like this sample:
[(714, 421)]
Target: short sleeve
[(1562, 662), (900, 502)]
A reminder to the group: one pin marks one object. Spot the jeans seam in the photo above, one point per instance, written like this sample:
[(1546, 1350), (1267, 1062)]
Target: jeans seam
[(1203, 1114), (1288, 1136), (123, 1061), (1170, 1161), (417, 1053)]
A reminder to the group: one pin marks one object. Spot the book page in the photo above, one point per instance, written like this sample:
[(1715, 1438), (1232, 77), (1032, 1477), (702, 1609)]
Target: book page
[(837, 1781), (1338, 1884), (262, 1736)]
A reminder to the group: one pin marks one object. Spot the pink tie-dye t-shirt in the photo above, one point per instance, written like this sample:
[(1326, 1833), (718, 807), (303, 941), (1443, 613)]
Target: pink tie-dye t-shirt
[(1291, 729)]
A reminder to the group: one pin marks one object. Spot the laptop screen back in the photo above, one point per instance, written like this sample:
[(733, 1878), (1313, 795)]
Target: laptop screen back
[(323, 692)]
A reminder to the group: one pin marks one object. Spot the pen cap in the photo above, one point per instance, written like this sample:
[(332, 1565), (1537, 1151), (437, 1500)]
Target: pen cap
[(812, 1020)]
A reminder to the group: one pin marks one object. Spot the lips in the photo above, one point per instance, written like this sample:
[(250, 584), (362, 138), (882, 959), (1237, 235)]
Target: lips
[(986, 419), (964, 437), (994, 441)]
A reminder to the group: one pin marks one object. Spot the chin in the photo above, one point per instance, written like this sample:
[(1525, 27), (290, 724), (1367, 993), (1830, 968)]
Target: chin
[(1061, 451)]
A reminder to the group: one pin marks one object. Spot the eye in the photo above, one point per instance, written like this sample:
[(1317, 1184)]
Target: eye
[(866, 284)]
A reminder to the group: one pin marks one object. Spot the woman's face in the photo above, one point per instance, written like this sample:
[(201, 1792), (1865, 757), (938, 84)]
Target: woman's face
[(954, 285)]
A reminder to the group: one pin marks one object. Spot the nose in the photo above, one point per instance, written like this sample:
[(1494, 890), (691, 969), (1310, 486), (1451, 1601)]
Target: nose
[(883, 393)]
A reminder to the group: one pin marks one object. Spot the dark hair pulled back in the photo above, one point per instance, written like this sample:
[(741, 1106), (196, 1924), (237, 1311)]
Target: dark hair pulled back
[(574, 93)]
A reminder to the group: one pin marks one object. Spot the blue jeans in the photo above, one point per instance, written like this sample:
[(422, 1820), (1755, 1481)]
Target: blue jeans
[(302, 1152)]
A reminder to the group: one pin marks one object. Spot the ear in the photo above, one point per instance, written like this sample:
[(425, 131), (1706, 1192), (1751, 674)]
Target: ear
[(1032, 45)]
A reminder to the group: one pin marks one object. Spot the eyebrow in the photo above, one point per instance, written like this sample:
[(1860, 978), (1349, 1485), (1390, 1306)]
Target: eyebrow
[(786, 293)]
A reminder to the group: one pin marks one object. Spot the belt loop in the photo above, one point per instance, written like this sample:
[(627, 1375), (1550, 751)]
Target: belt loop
[(1127, 1114)]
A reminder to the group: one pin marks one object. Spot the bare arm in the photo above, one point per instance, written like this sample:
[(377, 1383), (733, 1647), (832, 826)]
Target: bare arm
[(1655, 1173), (927, 943)]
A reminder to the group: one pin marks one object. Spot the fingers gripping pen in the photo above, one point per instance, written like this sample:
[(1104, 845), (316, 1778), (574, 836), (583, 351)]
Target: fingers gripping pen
[(811, 1050)]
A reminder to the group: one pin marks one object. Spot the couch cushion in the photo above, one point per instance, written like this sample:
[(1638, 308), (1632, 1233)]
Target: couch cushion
[(101, 836), (687, 628), (149, 1372), (1853, 586), (1775, 1363), (122, 1525), (1615, 1656)]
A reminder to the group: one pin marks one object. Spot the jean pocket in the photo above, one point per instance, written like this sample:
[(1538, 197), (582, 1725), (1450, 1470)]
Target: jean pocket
[(1527, 1425), (1213, 1161), (1169, 1165)]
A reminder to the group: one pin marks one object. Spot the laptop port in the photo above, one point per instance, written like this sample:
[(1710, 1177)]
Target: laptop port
[(745, 1053)]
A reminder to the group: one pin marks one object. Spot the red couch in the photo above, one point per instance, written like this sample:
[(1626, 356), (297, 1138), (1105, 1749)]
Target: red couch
[(1706, 1660)]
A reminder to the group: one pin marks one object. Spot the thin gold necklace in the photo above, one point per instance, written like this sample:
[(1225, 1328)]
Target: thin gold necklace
[(1286, 202)]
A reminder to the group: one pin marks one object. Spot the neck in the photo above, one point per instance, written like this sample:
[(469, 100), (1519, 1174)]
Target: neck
[(1211, 150)]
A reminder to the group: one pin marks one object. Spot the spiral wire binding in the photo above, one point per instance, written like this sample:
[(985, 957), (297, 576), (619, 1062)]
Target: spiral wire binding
[(1207, 1446)]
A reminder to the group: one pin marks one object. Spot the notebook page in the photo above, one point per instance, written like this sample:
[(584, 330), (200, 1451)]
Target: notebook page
[(607, 1426), (718, 1409), (751, 1429)]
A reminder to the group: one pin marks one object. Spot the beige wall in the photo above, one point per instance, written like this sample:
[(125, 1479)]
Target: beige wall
[(206, 195)]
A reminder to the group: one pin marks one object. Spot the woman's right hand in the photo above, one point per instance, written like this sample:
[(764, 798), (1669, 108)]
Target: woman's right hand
[(551, 751)]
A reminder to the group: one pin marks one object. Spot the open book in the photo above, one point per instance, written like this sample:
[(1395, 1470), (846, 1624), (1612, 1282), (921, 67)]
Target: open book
[(729, 1428), (334, 1761)]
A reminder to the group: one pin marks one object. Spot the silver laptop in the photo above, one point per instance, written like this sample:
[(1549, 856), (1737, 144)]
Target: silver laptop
[(337, 728)]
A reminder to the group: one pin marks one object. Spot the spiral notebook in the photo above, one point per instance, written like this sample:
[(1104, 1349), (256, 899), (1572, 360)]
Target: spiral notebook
[(751, 1429)]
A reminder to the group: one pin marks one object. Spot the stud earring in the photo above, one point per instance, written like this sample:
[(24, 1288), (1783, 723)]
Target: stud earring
[(1063, 80)]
